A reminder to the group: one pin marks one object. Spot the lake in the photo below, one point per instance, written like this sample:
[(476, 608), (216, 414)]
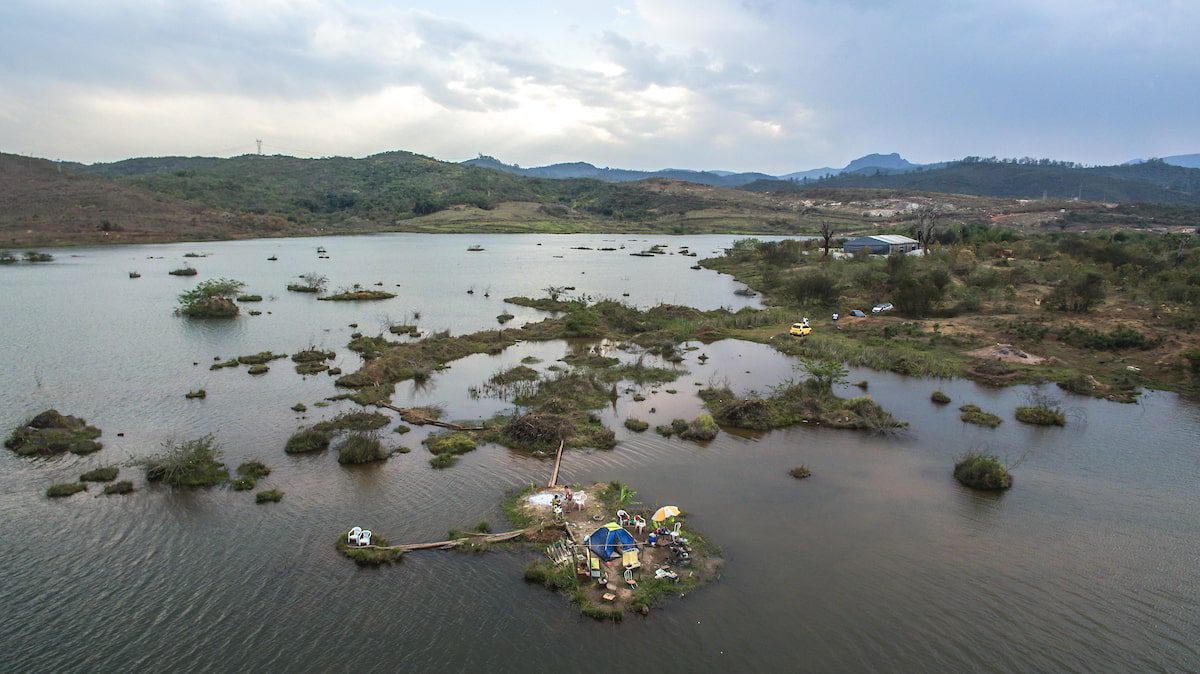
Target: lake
[(880, 561)]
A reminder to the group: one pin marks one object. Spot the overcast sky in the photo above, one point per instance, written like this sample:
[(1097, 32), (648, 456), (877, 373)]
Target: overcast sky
[(706, 84)]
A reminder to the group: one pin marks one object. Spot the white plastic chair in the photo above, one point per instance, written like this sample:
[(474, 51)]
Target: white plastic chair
[(622, 517), (365, 537), (640, 523), (352, 537), (678, 529), (580, 499)]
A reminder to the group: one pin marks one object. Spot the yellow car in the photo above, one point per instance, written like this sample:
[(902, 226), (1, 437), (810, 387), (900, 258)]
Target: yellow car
[(800, 330)]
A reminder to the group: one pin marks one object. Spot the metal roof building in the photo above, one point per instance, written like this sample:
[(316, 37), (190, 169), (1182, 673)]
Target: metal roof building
[(881, 244)]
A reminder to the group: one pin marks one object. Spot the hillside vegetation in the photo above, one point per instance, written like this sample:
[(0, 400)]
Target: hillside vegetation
[(199, 198), (1152, 181)]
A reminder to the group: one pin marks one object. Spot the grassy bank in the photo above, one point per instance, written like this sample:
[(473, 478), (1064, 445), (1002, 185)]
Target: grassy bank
[(995, 305)]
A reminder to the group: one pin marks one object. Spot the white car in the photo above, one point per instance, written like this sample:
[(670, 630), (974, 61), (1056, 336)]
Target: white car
[(880, 308)]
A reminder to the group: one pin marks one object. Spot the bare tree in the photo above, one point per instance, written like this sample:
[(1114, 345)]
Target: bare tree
[(314, 280), (926, 226), (827, 232)]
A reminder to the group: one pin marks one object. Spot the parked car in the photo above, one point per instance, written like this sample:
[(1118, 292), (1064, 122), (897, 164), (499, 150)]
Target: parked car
[(880, 308), (857, 313), (800, 330)]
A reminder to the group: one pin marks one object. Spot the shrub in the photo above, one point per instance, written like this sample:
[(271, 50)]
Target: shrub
[(254, 469), (940, 398), (195, 463), (702, 428), (66, 489), (444, 460), (307, 440), (1041, 416), (105, 474), (1081, 291), (210, 299), (1086, 338), (972, 414), (800, 472), (815, 288), (1192, 356), (636, 425), (982, 471), (249, 298), (257, 369), (361, 447), (550, 575)]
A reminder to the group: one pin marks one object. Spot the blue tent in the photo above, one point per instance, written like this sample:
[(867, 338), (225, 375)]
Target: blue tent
[(610, 541)]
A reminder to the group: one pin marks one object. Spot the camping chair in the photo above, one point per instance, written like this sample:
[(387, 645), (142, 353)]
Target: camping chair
[(352, 537), (630, 580), (596, 572), (639, 522), (365, 537), (629, 559), (622, 518)]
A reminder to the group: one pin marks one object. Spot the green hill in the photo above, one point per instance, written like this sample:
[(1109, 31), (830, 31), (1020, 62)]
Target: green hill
[(1152, 181), (382, 188)]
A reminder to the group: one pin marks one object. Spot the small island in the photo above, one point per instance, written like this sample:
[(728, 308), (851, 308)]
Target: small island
[(596, 546), (211, 299), (51, 433)]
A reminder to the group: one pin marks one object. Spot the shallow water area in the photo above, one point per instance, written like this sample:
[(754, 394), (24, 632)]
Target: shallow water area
[(880, 560)]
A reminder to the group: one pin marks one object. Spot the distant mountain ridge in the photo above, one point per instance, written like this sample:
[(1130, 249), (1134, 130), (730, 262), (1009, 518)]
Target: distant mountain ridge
[(1184, 160), (871, 164), (1153, 181)]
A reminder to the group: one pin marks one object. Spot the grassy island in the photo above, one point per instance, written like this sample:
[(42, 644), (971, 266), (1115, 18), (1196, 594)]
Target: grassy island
[(982, 471), (357, 294), (194, 463), (811, 402), (211, 299), (973, 414), (51, 433)]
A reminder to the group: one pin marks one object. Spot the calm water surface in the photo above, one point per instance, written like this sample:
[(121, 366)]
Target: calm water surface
[(880, 561)]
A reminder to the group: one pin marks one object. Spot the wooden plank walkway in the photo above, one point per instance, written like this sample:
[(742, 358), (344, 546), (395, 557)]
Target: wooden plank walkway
[(557, 463), (455, 542), (415, 417)]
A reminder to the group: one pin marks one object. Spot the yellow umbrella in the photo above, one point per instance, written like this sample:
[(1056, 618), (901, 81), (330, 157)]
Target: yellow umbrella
[(664, 512)]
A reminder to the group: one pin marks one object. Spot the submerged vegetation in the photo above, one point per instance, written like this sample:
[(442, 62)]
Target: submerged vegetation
[(105, 474), (51, 433), (65, 489), (982, 471), (973, 414)]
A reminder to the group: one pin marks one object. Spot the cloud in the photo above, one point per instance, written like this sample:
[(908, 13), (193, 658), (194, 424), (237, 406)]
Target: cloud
[(749, 85)]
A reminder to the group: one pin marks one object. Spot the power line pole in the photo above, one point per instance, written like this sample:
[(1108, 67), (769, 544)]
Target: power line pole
[(259, 141)]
